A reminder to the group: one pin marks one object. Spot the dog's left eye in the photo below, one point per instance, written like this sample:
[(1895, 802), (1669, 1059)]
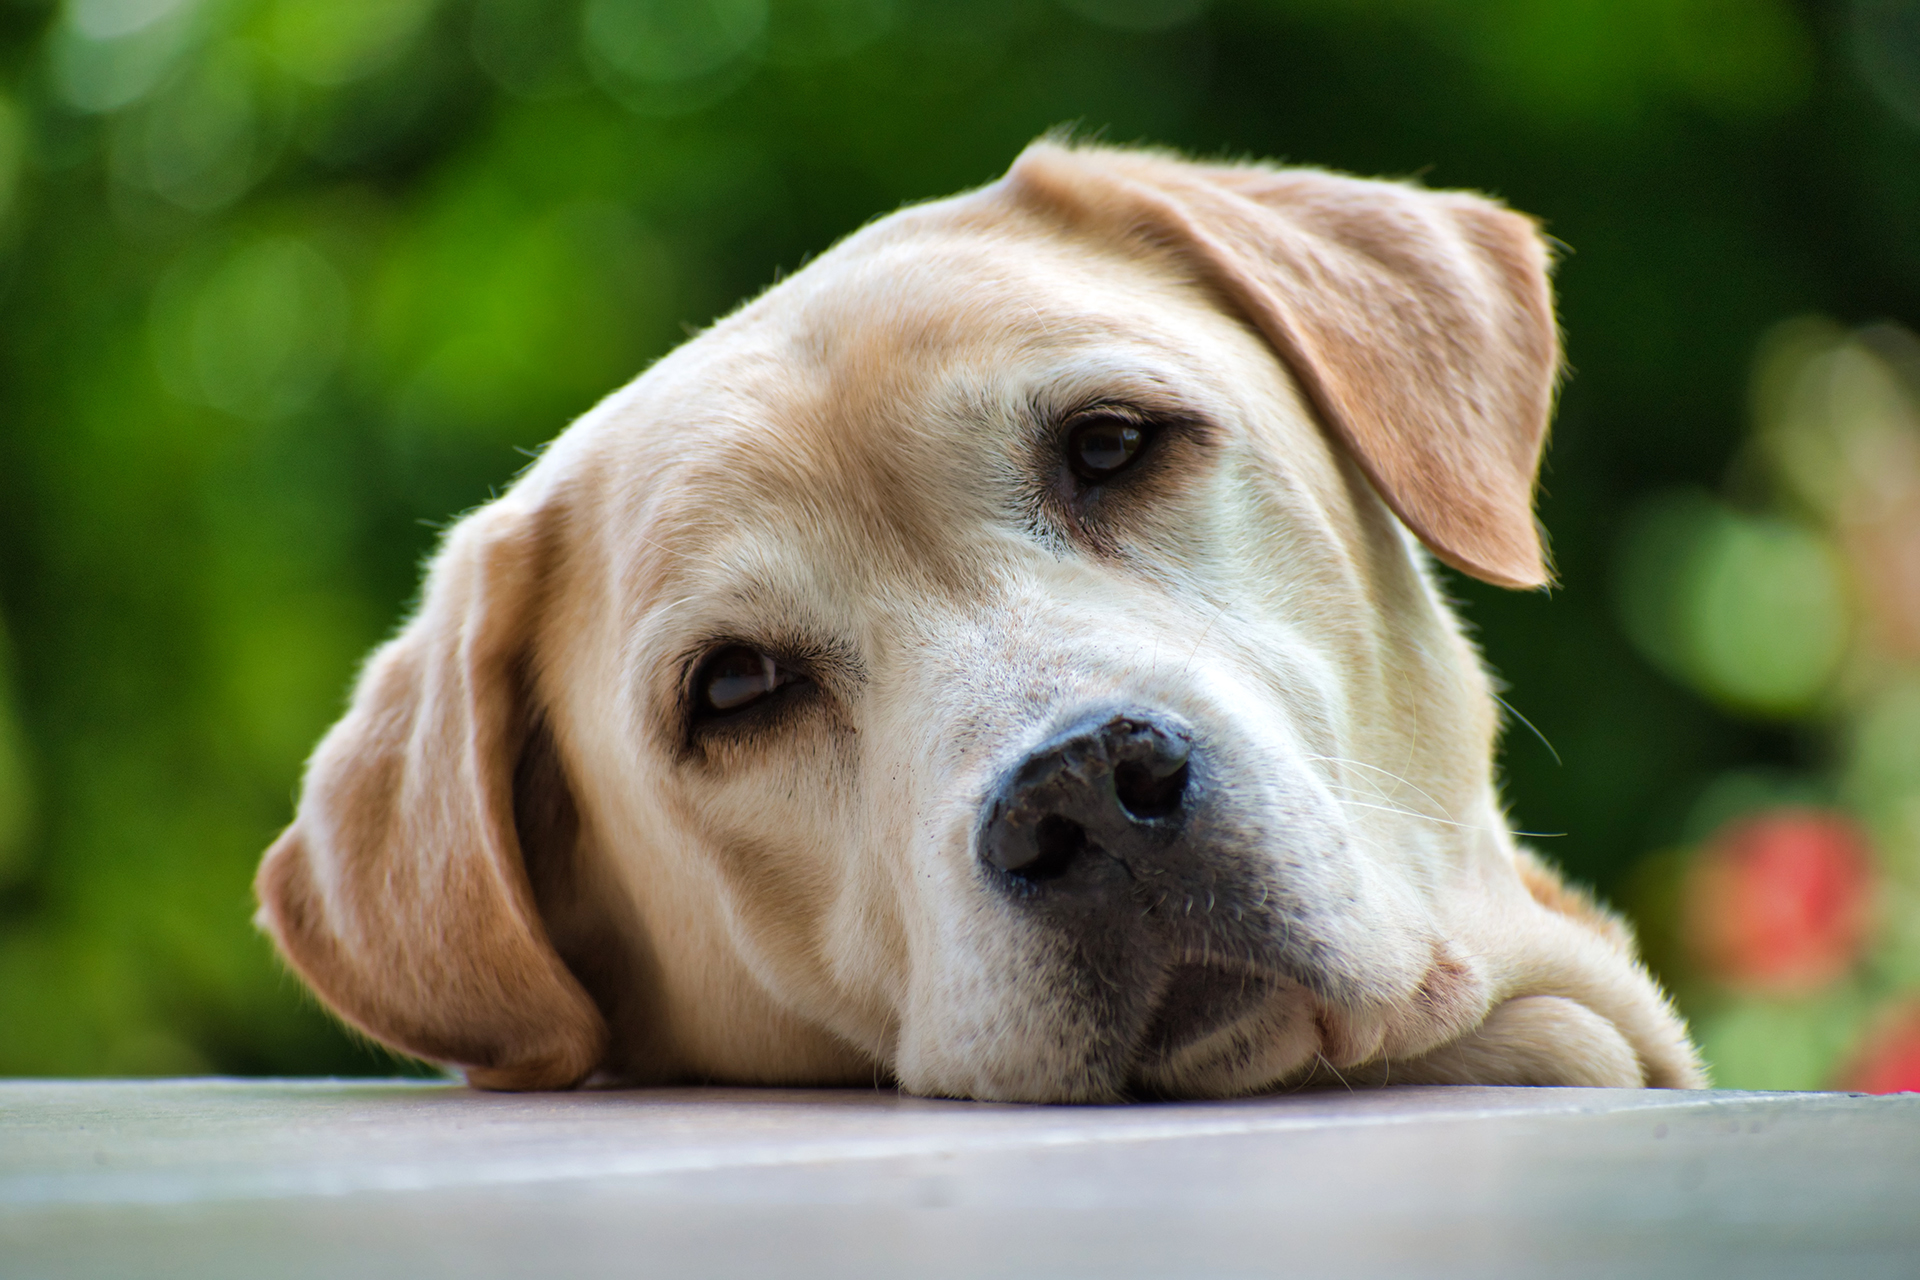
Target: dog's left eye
[(1102, 445), (735, 678)]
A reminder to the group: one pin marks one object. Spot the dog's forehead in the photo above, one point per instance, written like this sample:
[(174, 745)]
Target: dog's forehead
[(946, 285), (885, 396), (943, 311)]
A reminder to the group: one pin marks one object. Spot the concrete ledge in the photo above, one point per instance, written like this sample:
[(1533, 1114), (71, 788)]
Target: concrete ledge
[(214, 1178)]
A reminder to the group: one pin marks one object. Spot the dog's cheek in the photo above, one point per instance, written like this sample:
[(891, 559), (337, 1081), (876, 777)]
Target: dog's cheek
[(986, 1012), (991, 1010), (991, 1037), (773, 838)]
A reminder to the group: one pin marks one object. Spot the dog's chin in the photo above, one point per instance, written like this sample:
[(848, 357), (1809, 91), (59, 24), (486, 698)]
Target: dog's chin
[(1222, 1031), (1201, 999)]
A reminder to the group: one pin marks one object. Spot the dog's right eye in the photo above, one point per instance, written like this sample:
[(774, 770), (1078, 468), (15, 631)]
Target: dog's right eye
[(1102, 445), (735, 678)]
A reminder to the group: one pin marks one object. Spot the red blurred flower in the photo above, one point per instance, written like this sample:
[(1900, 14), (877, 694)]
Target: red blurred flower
[(1889, 1062), (1779, 902)]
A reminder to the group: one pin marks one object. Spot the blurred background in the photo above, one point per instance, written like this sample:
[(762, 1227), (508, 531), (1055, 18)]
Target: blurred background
[(285, 285)]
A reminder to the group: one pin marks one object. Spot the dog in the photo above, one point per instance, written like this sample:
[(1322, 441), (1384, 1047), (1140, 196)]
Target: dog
[(1001, 660)]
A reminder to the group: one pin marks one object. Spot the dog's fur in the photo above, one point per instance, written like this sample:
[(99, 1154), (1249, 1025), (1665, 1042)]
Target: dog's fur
[(517, 854)]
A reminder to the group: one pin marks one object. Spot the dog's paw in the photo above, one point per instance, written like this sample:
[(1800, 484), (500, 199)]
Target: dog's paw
[(1532, 1040)]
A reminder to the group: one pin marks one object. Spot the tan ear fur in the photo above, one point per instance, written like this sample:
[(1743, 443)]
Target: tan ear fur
[(399, 892), (1420, 323)]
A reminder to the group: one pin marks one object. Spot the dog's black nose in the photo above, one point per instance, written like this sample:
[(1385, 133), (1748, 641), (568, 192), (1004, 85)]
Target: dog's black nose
[(1110, 787)]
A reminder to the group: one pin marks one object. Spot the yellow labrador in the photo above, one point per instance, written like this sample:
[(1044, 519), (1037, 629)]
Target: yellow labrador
[(1001, 659)]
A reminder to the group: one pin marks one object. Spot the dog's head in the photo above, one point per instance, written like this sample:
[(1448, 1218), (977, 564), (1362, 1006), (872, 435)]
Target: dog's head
[(999, 657)]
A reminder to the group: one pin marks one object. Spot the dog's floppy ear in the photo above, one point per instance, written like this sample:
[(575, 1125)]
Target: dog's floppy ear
[(399, 892), (1419, 322)]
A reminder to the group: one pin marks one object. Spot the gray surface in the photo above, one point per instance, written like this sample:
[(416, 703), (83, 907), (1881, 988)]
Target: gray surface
[(215, 1178)]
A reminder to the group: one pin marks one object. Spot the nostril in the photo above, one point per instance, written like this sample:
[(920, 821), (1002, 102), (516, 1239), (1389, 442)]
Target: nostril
[(1057, 842), (1145, 796), (1085, 806)]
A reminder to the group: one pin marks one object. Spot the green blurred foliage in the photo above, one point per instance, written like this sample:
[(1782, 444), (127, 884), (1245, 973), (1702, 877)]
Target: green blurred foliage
[(1796, 598), (287, 284), (1752, 610)]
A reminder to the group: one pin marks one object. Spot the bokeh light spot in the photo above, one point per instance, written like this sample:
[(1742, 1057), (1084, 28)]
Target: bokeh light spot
[(101, 74), (259, 334), (198, 143), (1753, 611), (330, 42), (1779, 902), (1767, 621), (112, 19), (669, 42)]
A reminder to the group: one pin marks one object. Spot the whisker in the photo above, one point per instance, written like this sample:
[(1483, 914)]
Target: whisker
[(1218, 614), (1449, 822), (1515, 713), (1336, 1075), (1362, 764)]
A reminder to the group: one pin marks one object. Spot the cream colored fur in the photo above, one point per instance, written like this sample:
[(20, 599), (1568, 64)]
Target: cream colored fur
[(513, 856)]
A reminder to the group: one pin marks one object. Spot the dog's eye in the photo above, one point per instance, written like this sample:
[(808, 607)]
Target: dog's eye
[(736, 677), (1101, 446)]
